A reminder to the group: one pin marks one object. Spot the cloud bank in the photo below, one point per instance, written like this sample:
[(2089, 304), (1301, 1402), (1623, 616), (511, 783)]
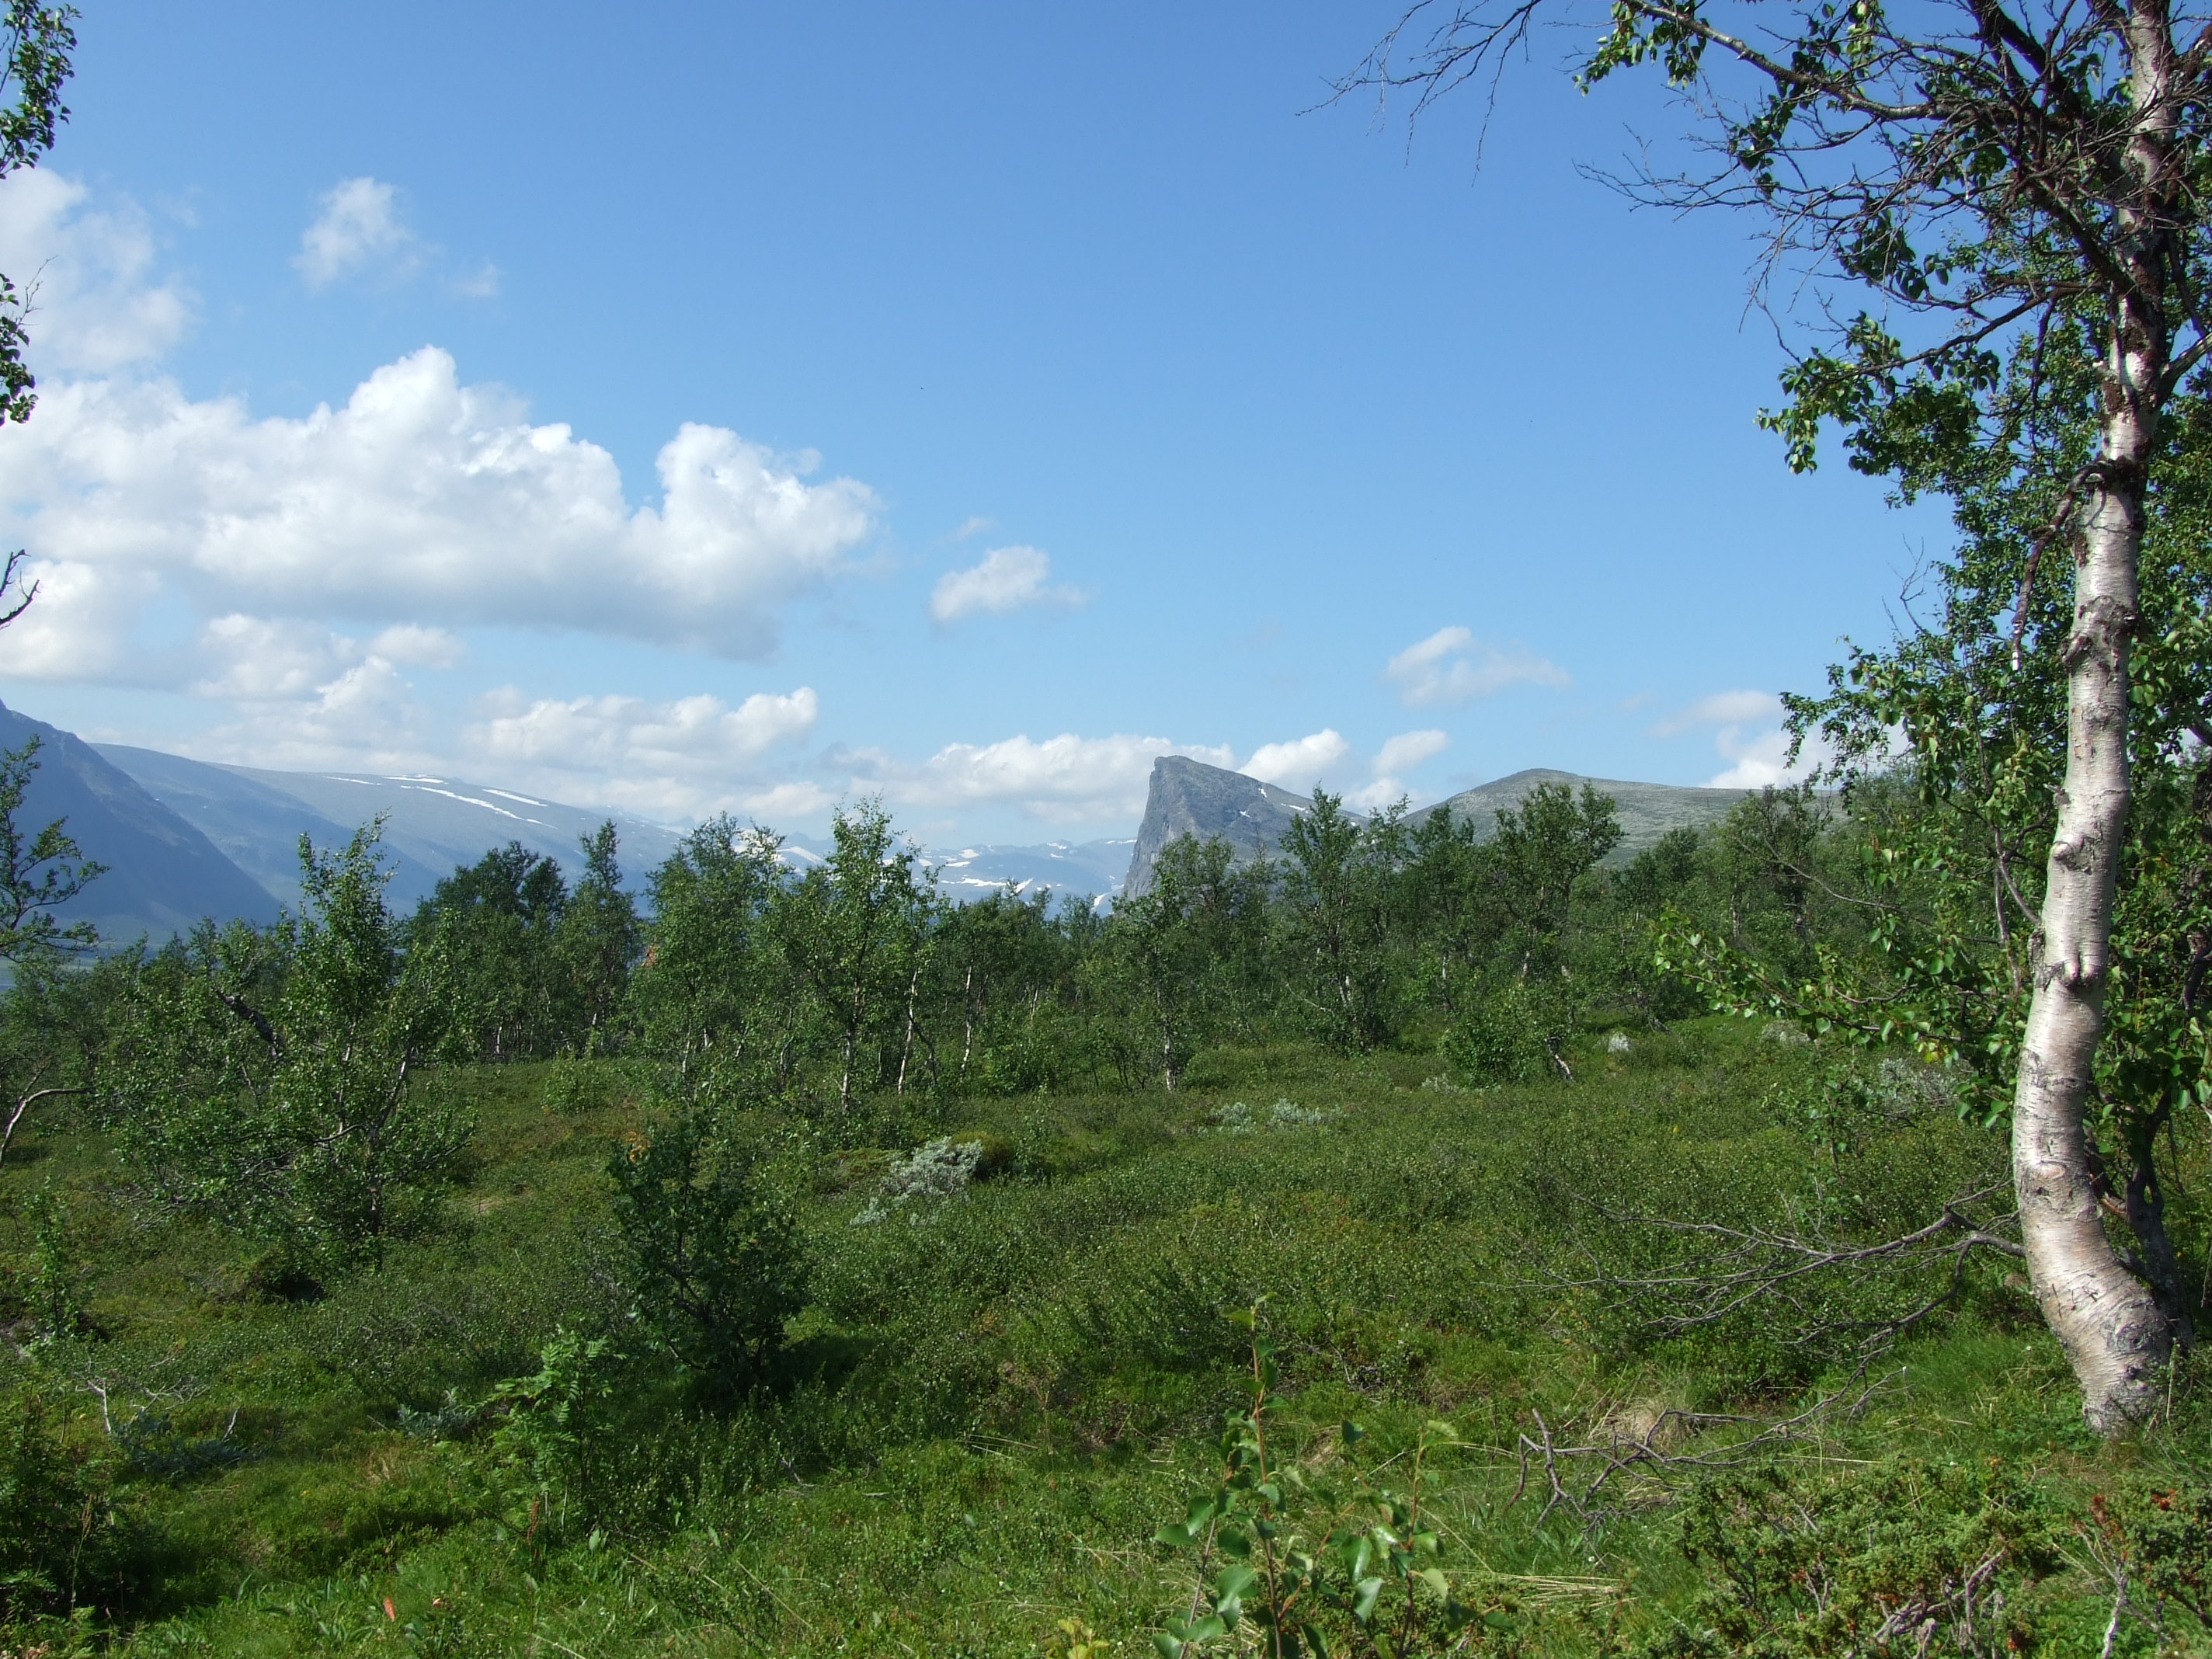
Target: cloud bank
[(97, 303), (419, 497)]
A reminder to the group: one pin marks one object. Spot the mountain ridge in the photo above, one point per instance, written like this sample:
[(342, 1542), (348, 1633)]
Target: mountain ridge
[(163, 876), (1188, 797)]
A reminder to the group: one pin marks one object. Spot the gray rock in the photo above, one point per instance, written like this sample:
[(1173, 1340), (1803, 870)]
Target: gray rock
[(1189, 798)]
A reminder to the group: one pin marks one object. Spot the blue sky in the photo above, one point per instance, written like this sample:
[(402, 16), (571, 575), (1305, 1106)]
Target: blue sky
[(693, 407)]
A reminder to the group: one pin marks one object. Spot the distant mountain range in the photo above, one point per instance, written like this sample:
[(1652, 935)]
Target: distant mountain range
[(430, 824), (1646, 811), (163, 874), (1188, 797), (184, 839), (1090, 869)]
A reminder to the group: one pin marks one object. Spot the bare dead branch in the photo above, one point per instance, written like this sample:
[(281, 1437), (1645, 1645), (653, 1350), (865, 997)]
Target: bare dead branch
[(1636, 1462)]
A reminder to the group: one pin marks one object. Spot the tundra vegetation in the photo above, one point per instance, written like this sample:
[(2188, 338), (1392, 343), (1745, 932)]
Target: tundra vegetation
[(1441, 1237), (1387, 1248)]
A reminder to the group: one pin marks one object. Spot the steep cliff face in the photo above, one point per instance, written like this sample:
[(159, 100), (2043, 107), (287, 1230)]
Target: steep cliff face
[(1188, 797)]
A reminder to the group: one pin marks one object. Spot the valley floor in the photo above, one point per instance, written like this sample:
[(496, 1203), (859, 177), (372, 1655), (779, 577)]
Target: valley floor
[(994, 1401)]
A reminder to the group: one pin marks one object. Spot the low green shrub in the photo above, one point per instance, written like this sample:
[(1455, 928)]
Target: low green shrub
[(63, 1543), (1515, 1034), (715, 1261), (1903, 1556)]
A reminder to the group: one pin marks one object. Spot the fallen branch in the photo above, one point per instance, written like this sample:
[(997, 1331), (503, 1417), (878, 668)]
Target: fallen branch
[(1758, 1266), (1667, 1474)]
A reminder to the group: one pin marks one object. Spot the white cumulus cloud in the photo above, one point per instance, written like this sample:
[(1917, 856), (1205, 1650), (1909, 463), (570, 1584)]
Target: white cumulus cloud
[(1006, 578), (1722, 708), (419, 497), (1297, 763), (695, 733), (96, 303), (1397, 755), (685, 758), (365, 715), (1409, 749), (1064, 779), (1451, 666), (1758, 759), (1750, 736), (357, 224), (264, 658), (412, 642)]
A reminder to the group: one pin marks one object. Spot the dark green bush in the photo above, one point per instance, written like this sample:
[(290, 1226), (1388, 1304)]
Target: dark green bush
[(715, 1259), (1513, 1035), (1903, 1558), (61, 1543)]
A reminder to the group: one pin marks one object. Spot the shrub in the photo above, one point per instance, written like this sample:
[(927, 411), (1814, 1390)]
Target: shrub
[(716, 1265), (994, 1155), (554, 1422), (280, 1083), (1241, 1118), (577, 1084), (58, 1534), (1514, 1035), (1885, 1559), (936, 1170)]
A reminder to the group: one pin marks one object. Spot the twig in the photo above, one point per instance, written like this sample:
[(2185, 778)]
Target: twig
[(1761, 1265), (2035, 558), (1621, 1453)]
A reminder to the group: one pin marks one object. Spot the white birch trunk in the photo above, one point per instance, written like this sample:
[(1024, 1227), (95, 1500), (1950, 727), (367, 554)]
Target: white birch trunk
[(2104, 1316), (2106, 1319)]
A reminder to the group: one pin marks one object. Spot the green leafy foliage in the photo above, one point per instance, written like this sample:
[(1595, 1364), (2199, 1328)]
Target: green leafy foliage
[(1184, 962), (1367, 1572), (1515, 1034), (598, 941), (715, 1258), (62, 1543), (711, 996), (552, 1423), (495, 922), (856, 933), (286, 1083)]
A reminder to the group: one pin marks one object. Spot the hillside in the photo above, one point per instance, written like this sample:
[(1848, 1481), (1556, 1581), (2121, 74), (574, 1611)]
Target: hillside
[(1646, 811), (1188, 797), (1090, 869), (990, 1408), (431, 824), (163, 873)]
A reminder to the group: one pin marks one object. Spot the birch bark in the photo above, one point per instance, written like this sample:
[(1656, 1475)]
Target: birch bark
[(2107, 1318)]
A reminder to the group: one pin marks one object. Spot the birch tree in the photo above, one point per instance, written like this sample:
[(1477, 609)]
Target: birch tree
[(2014, 190)]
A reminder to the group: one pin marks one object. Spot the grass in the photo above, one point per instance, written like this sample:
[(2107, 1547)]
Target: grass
[(990, 1404)]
